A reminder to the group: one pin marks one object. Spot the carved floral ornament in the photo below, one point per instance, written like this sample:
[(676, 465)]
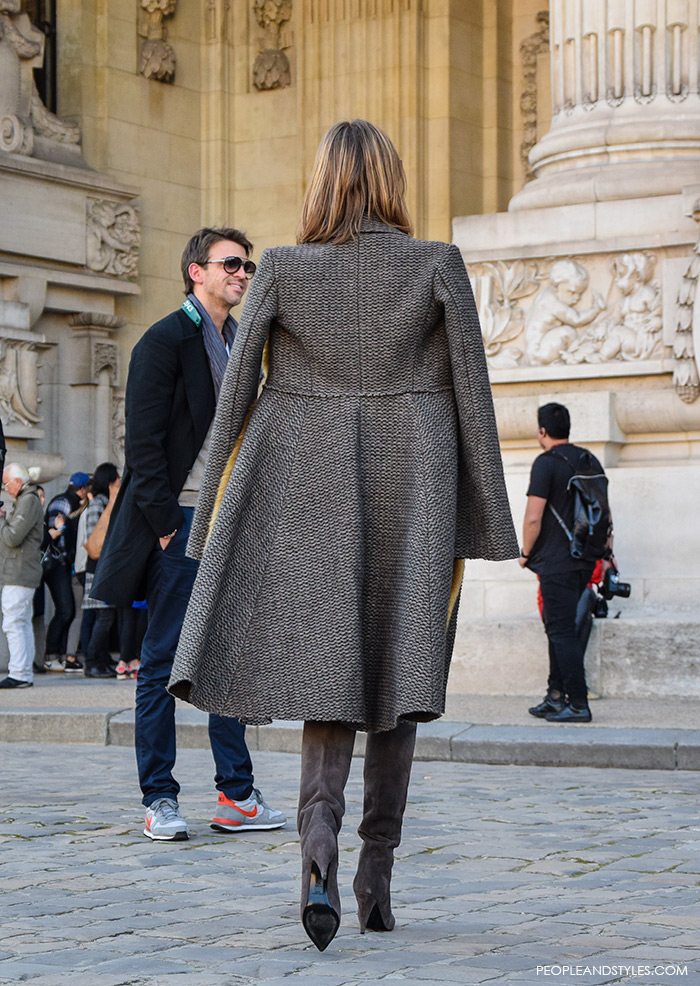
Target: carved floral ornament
[(271, 69), (157, 58), (686, 343), (539, 313), (113, 238), (530, 49)]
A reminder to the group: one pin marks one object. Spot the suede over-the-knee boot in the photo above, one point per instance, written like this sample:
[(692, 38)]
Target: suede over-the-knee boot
[(388, 759), (326, 754)]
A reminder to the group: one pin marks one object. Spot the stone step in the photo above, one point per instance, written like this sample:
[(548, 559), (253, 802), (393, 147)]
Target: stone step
[(542, 745), (636, 657)]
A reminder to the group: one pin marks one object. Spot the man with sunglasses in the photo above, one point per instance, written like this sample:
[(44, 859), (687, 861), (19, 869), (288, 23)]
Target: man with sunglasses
[(174, 379)]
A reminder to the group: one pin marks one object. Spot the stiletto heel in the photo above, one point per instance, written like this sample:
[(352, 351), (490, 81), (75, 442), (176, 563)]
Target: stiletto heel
[(370, 916), (319, 918)]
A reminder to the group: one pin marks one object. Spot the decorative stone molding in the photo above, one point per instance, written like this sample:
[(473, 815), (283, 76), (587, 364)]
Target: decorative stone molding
[(157, 58), (96, 320), (113, 238), (118, 428), (685, 373), (47, 124), (104, 356), (20, 349), (22, 114), (532, 312), (18, 383), (530, 49), (271, 69)]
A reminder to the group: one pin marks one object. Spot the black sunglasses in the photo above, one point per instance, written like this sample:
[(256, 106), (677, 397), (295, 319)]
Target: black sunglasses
[(233, 264)]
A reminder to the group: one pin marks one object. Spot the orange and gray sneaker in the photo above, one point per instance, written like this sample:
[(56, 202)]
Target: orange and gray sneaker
[(164, 823), (240, 816)]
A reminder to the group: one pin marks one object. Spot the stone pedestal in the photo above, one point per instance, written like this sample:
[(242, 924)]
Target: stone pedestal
[(586, 290)]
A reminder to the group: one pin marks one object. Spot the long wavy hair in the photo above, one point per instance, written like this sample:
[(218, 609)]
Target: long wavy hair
[(357, 173)]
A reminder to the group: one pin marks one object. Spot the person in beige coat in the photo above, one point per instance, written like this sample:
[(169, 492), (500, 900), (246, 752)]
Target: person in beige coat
[(21, 532), (339, 502)]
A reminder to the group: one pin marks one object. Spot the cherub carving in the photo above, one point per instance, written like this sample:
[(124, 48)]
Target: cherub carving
[(634, 332), (552, 323)]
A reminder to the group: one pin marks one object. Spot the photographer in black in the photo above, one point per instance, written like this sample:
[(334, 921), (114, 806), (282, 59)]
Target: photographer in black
[(546, 550)]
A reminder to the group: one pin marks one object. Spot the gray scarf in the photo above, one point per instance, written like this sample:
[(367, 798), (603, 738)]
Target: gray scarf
[(214, 344)]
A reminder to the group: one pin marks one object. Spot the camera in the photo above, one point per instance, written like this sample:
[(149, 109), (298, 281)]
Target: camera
[(600, 608), (612, 586)]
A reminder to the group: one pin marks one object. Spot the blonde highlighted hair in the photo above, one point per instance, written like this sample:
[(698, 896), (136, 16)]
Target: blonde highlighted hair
[(357, 173)]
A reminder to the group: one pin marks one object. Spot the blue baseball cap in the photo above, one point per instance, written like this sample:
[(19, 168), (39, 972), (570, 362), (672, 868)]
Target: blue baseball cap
[(79, 479)]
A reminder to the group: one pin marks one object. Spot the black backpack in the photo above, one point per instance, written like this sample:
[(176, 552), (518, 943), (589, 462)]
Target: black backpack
[(588, 538)]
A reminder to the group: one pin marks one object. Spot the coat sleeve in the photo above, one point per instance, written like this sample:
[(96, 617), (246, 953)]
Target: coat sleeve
[(150, 389), (26, 516), (238, 393), (484, 523)]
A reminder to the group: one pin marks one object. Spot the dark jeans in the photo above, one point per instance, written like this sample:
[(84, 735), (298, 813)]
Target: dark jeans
[(58, 581), (560, 598), (170, 578)]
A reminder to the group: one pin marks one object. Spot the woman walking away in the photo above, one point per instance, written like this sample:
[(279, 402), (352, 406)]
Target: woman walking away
[(338, 504)]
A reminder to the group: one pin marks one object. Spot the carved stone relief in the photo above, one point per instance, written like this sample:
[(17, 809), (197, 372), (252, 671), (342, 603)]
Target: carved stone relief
[(271, 69), (19, 400), (533, 46), (113, 238), (118, 428), (539, 313), (104, 356), (22, 114), (634, 330), (157, 58), (685, 373)]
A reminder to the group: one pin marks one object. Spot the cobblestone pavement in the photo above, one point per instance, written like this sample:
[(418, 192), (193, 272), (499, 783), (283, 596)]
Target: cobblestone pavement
[(502, 870)]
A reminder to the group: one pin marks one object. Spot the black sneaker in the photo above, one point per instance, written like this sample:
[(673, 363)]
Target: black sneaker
[(571, 713), (72, 664), (15, 683), (547, 705)]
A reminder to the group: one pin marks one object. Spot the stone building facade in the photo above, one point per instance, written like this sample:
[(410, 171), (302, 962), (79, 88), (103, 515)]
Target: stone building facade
[(558, 148)]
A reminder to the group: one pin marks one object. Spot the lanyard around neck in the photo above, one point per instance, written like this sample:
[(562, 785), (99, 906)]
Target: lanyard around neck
[(191, 312)]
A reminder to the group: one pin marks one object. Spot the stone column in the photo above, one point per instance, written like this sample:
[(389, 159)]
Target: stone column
[(625, 103), (96, 368)]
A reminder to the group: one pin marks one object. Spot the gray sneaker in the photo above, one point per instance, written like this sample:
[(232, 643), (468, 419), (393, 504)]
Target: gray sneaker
[(164, 823), (239, 816)]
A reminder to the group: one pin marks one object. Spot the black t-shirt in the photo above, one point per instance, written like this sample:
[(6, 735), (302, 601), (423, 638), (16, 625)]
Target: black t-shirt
[(548, 479)]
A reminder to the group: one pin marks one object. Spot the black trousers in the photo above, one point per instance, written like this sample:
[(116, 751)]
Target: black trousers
[(560, 598), (58, 581)]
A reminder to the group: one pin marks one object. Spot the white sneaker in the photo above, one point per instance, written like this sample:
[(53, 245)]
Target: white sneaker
[(54, 665), (164, 823), (240, 816)]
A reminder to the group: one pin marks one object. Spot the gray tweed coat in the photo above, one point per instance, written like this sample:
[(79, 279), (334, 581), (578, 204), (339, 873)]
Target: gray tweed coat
[(368, 464)]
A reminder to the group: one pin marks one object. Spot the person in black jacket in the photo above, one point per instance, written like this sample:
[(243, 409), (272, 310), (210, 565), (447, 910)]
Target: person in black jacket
[(174, 379), (58, 575), (563, 578)]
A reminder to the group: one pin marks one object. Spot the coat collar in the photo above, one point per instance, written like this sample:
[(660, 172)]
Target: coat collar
[(370, 224)]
